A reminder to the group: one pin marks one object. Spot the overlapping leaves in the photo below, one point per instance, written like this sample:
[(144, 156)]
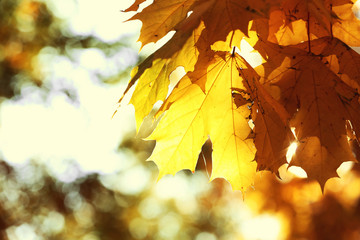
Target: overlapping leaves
[(309, 82)]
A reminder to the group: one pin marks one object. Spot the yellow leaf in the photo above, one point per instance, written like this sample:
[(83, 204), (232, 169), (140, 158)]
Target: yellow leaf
[(192, 115), (154, 73)]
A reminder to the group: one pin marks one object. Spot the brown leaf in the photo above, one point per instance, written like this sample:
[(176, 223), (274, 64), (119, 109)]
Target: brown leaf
[(230, 15), (272, 133), (319, 119)]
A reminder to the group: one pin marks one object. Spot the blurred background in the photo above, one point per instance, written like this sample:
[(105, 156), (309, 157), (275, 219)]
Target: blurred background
[(68, 170)]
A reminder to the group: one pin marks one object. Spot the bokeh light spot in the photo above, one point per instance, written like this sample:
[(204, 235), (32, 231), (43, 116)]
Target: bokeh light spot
[(138, 228), (169, 226), (205, 236), (150, 208), (262, 227)]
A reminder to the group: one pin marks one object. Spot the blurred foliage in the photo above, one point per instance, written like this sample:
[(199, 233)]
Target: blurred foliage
[(29, 26), (35, 204)]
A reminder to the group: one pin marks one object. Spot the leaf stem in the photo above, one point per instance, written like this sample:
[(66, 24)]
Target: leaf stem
[(331, 30), (308, 31)]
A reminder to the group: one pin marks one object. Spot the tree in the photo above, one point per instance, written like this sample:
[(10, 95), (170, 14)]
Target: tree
[(308, 83)]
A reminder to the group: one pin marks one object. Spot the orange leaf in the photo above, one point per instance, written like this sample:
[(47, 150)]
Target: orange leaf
[(230, 15), (161, 17), (308, 91), (272, 133)]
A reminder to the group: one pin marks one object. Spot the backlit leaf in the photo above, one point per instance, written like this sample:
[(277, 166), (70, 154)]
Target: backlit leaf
[(153, 73), (192, 115), (272, 133), (161, 17)]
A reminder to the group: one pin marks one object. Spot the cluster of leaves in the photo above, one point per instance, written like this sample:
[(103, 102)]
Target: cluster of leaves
[(306, 90)]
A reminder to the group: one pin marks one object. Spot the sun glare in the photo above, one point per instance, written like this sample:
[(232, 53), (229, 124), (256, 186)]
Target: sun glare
[(251, 56), (291, 151), (270, 227), (297, 171)]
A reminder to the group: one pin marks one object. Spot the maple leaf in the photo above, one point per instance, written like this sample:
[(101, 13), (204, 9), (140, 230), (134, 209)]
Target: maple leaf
[(153, 74), (161, 17), (272, 132), (191, 115), (310, 92), (319, 123)]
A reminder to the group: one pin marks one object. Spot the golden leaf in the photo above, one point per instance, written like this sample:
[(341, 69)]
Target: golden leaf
[(192, 115)]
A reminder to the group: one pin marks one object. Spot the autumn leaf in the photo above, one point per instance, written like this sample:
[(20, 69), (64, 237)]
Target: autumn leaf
[(192, 115), (153, 73), (161, 17), (319, 123), (309, 92), (272, 132)]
